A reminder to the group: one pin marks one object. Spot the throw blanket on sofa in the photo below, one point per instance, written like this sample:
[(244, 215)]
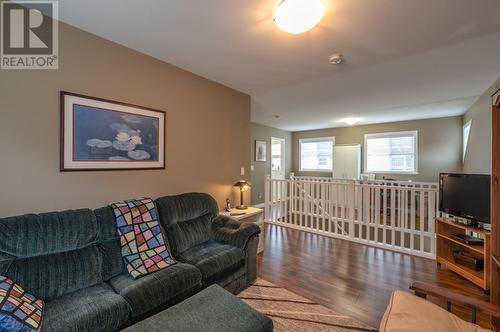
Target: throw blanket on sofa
[(144, 249), (19, 311)]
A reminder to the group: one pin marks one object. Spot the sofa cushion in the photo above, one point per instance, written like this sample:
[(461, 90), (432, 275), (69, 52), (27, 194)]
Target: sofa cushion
[(410, 313), (159, 290), (47, 233), (214, 260), (186, 219), (93, 309), (50, 276), (109, 243), (51, 254)]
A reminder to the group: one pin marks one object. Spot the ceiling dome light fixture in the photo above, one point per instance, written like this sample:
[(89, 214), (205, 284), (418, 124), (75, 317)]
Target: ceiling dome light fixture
[(351, 121), (298, 16)]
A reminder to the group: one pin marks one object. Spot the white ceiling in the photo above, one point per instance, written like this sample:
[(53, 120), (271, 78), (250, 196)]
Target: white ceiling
[(404, 59)]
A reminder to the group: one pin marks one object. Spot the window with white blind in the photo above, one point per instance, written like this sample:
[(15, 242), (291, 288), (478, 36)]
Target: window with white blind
[(316, 154), (391, 152)]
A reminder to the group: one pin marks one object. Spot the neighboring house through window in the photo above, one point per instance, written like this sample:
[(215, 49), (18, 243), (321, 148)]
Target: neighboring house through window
[(391, 152), (316, 154)]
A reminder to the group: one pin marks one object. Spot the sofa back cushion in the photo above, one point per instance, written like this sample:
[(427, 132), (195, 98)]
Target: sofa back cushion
[(51, 254), (186, 219), (109, 243)]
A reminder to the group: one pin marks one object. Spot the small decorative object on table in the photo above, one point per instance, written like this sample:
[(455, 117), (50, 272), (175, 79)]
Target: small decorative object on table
[(243, 185)]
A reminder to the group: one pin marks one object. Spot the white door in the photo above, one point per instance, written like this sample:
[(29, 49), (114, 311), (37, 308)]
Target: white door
[(277, 158)]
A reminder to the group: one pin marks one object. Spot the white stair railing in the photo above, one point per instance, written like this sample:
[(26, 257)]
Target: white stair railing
[(320, 203), (396, 215)]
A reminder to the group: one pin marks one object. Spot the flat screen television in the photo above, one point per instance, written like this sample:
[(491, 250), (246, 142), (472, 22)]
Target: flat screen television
[(465, 195)]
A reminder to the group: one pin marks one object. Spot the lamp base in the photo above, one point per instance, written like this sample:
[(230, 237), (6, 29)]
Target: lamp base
[(241, 207)]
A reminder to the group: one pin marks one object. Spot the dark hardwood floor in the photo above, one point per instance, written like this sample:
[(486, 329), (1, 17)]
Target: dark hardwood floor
[(348, 277)]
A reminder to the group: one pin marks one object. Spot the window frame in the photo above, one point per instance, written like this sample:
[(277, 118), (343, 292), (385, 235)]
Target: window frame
[(413, 133), (465, 144), (315, 139)]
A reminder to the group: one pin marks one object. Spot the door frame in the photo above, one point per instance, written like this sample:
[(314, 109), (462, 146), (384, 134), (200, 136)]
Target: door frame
[(283, 155)]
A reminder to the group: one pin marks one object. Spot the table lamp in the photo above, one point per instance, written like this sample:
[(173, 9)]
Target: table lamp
[(243, 185)]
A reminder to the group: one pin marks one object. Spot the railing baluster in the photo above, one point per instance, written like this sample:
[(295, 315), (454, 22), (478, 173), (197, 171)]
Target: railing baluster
[(323, 204), (296, 201), (401, 218), (393, 216), (377, 213), (267, 184), (360, 213), (384, 216), (422, 219), (430, 225), (412, 220)]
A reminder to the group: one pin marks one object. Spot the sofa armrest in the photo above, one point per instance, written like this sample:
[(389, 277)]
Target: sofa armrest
[(234, 232), (422, 289)]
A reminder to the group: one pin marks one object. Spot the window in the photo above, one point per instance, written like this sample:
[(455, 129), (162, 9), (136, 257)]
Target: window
[(465, 138), (316, 154), (391, 152)]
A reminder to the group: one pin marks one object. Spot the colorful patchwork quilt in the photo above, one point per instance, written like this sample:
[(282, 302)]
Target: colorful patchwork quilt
[(19, 311), (144, 249)]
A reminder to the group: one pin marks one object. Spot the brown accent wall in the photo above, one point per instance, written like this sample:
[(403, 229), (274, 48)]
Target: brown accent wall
[(439, 145), (262, 168), (207, 132)]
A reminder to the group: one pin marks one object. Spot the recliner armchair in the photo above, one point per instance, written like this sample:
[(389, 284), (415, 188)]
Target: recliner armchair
[(223, 249)]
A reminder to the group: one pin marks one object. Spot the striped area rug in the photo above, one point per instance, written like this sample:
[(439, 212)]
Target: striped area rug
[(291, 312)]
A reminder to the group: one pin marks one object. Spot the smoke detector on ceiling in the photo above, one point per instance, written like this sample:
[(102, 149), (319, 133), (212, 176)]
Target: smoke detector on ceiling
[(336, 59)]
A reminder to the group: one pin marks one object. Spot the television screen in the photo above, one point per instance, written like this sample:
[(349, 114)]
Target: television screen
[(465, 195)]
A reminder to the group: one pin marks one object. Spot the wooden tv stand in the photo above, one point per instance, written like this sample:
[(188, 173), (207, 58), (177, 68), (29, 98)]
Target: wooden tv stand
[(445, 245)]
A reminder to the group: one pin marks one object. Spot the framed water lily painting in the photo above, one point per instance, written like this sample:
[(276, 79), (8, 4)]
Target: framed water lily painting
[(100, 134)]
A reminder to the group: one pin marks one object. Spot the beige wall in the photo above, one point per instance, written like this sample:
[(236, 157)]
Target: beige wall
[(262, 168), (478, 156), (439, 144), (207, 132)]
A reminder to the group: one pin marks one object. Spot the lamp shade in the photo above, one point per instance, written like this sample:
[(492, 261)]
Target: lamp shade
[(242, 184)]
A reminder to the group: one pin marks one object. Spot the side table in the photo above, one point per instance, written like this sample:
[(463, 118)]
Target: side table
[(252, 214)]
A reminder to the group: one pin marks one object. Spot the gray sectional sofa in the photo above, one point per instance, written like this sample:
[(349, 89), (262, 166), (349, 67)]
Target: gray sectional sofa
[(72, 260)]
